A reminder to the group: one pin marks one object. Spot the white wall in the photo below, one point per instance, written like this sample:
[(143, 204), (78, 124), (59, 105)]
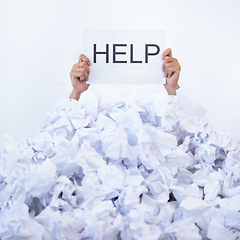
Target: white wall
[(41, 40)]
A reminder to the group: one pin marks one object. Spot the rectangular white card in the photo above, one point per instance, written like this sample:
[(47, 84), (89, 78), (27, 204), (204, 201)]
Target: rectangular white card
[(125, 56)]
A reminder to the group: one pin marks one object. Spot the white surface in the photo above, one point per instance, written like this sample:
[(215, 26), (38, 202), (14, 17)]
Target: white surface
[(100, 170), (125, 70), (41, 40)]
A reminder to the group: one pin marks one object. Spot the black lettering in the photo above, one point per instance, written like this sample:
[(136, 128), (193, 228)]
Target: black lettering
[(95, 53), (131, 55), (119, 53), (150, 54)]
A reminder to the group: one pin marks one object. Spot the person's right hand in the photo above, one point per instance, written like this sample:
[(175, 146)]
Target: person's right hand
[(171, 69), (79, 75)]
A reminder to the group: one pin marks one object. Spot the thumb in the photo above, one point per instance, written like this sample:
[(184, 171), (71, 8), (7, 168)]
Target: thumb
[(167, 53)]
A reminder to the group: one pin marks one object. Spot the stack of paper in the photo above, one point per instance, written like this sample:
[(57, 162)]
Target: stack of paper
[(146, 169)]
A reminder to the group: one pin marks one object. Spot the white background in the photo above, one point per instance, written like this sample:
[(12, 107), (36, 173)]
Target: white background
[(41, 40)]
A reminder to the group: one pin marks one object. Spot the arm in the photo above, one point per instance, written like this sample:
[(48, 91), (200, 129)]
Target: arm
[(79, 75), (171, 69)]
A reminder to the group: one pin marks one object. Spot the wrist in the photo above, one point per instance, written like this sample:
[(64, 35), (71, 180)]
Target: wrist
[(75, 94), (171, 90)]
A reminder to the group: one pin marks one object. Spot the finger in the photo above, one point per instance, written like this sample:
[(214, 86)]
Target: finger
[(83, 58), (167, 53), (166, 61), (79, 66), (76, 74), (84, 71), (81, 69), (175, 66), (84, 65), (174, 70), (168, 70), (165, 71), (171, 65)]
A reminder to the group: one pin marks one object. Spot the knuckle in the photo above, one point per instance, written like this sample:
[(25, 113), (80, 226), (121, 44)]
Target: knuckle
[(74, 66), (168, 59), (169, 50), (81, 75)]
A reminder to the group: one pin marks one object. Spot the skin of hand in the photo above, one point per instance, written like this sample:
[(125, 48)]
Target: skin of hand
[(79, 76), (171, 69)]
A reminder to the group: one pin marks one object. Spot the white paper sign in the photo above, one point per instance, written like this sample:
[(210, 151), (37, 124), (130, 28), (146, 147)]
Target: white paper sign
[(125, 56)]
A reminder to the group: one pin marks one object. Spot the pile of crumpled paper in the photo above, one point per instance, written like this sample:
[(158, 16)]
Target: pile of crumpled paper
[(146, 169)]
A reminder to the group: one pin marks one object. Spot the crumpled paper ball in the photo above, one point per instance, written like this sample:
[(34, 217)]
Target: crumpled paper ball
[(147, 169)]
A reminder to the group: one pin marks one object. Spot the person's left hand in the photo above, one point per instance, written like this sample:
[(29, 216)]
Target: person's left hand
[(79, 76), (171, 69)]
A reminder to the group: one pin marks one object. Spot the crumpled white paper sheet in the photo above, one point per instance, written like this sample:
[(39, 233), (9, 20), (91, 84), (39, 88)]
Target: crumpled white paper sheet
[(146, 169)]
